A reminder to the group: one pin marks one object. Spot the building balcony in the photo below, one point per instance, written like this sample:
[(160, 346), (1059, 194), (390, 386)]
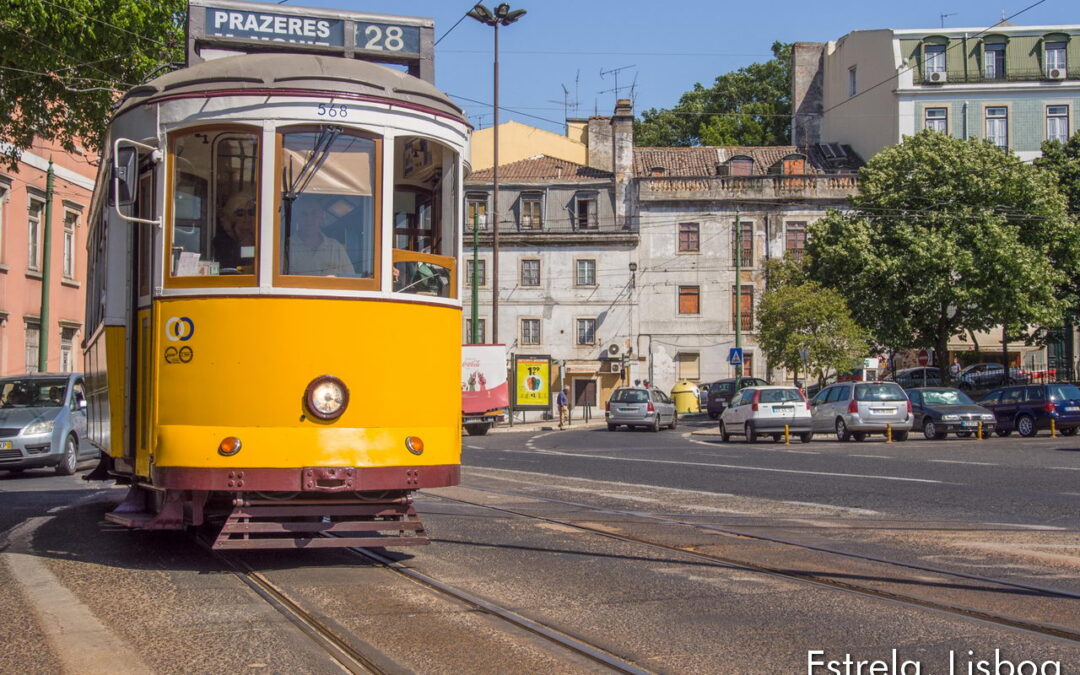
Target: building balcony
[(1009, 76), (835, 187), (555, 231)]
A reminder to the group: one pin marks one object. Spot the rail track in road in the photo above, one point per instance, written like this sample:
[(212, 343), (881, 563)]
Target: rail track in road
[(817, 578), (369, 659)]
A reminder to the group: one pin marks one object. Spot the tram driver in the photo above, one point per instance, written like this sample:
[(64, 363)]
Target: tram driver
[(310, 251), (234, 242)]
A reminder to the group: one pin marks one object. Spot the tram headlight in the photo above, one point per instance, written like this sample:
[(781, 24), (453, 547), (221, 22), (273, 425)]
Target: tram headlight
[(326, 397)]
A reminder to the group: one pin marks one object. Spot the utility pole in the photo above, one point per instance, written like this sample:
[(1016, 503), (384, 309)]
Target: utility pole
[(474, 333), (738, 296), (46, 255)]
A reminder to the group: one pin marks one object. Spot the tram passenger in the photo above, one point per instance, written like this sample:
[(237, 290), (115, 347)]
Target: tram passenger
[(311, 252), (237, 232)]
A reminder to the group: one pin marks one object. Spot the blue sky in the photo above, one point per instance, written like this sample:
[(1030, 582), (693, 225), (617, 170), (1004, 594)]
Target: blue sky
[(662, 49)]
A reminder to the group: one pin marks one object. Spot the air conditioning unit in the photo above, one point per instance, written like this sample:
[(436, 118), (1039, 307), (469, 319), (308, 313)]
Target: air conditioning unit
[(1056, 73), (613, 349), (937, 77), (615, 367)]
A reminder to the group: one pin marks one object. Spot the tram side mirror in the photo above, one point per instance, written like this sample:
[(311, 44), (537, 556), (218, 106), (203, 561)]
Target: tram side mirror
[(124, 170)]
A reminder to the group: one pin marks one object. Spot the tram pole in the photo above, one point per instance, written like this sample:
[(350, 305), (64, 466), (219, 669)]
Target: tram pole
[(46, 256), (738, 298), (475, 280)]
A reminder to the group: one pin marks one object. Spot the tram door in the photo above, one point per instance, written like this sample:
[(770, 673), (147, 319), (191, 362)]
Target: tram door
[(141, 343)]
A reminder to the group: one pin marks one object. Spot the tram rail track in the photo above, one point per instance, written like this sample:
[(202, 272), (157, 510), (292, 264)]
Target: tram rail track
[(820, 579)]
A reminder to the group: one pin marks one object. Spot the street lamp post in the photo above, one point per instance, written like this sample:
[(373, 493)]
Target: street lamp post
[(502, 16)]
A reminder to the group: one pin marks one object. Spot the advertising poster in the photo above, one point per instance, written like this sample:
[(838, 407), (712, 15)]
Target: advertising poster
[(483, 378), (532, 382)]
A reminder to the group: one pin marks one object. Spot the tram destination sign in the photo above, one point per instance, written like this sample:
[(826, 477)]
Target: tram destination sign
[(218, 28)]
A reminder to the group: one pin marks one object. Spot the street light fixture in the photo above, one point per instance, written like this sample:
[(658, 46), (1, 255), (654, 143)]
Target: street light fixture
[(502, 16)]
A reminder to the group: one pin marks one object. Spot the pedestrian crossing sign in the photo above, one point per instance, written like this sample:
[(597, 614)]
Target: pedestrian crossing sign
[(735, 356)]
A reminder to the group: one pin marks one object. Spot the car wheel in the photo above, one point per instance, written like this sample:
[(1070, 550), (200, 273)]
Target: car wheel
[(724, 435), (70, 459), (674, 421), (807, 437), (1026, 426), (1071, 431), (842, 433), (899, 436), (655, 426), (612, 427), (859, 436), (751, 437), (1003, 432), (930, 430)]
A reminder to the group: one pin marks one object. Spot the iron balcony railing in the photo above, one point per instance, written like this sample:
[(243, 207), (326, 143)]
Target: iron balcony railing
[(771, 186), (1007, 75)]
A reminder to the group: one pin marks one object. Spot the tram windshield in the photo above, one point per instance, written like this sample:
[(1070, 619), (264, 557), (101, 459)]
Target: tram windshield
[(215, 204), (327, 204), (425, 217)]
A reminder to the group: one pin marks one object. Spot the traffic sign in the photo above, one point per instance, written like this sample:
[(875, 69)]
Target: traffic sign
[(804, 355), (735, 356), (924, 357)]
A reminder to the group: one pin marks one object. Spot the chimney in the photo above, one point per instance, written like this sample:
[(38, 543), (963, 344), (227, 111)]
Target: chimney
[(807, 92), (598, 143), (622, 158)]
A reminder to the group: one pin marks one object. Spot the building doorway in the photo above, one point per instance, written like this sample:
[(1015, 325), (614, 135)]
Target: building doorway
[(584, 393)]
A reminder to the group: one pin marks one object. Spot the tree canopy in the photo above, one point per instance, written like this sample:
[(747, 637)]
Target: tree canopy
[(1063, 161), (948, 236), (796, 314), (750, 106), (63, 63)]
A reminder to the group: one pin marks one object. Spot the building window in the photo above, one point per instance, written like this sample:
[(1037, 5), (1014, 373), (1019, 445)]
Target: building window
[(71, 219), (33, 336), (33, 234), (1057, 123), (740, 165), (747, 364), (933, 59), (852, 82), (480, 267), (67, 353), (476, 205), (937, 119), (747, 241), (689, 300), (1055, 60), (795, 239), (586, 273), (585, 217), (994, 61), (586, 331), (4, 188), (531, 212), (689, 366), (745, 307), (997, 126), (481, 335), (530, 331), (530, 272), (689, 238)]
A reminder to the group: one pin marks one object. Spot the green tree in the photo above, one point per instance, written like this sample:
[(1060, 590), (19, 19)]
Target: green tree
[(750, 106), (63, 63), (947, 236), (795, 316), (1063, 161)]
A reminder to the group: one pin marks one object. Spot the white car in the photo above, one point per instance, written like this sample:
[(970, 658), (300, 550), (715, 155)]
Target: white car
[(767, 410)]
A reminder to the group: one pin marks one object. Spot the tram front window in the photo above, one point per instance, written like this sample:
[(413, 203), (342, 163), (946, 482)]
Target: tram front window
[(425, 217), (327, 204), (215, 203)]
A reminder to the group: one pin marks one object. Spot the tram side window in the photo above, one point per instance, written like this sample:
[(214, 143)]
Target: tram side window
[(327, 204), (425, 217), (215, 206)]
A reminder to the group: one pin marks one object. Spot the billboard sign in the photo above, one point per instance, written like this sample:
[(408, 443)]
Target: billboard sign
[(532, 382)]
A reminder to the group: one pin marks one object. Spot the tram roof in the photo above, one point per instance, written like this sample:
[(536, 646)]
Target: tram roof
[(293, 72)]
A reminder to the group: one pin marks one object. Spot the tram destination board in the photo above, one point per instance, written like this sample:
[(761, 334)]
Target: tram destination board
[(219, 28)]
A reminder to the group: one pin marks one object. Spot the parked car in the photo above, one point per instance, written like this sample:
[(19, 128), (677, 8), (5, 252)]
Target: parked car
[(721, 391), (855, 409), (766, 410), (640, 407), (940, 411), (1030, 408), (916, 377), (43, 422), (986, 375)]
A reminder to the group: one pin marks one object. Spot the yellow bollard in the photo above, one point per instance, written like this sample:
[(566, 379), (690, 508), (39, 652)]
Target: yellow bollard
[(978, 432), (1053, 428), (787, 435), (888, 433)]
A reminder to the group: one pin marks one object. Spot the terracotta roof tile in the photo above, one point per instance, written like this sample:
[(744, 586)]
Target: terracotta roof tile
[(702, 161), (541, 169)]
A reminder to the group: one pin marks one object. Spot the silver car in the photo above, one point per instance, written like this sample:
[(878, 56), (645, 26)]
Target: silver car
[(43, 422), (855, 409), (640, 407)]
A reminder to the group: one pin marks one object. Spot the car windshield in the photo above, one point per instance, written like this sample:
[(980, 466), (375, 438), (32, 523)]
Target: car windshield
[(879, 392), (779, 395), (946, 397), (1064, 392), (726, 387), (33, 392), (630, 396)]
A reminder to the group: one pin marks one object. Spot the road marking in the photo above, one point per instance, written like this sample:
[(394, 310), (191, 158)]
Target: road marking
[(747, 468), (873, 456), (1071, 494), (1021, 526), (957, 461), (1064, 468), (801, 452), (474, 447), (79, 640)]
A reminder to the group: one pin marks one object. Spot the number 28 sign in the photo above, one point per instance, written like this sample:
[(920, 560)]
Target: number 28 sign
[(387, 38)]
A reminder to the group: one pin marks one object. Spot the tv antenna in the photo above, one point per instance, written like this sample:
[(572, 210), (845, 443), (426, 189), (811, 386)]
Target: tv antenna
[(567, 105), (945, 16), (615, 72)]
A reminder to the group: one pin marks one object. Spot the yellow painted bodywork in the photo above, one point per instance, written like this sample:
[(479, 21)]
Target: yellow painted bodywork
[(251, 360)]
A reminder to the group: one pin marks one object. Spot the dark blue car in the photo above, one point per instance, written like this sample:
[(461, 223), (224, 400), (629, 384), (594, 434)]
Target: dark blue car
[(1028, 408)]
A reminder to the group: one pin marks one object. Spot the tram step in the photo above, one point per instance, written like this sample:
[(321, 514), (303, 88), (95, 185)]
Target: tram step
[(309, 525)]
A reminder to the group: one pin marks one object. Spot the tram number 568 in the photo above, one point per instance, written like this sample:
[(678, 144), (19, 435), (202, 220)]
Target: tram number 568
[(332, 110)]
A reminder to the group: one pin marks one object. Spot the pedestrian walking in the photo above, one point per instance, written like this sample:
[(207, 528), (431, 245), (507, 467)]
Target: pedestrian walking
[(954, 369), (563, 401)]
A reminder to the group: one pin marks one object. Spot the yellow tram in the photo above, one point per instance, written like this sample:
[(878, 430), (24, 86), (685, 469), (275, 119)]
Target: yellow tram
[(273, 309)]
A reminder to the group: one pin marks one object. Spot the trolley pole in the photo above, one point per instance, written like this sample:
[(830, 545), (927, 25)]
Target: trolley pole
[(475, 277), (495, 204), (738, 296), (46, 255)]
